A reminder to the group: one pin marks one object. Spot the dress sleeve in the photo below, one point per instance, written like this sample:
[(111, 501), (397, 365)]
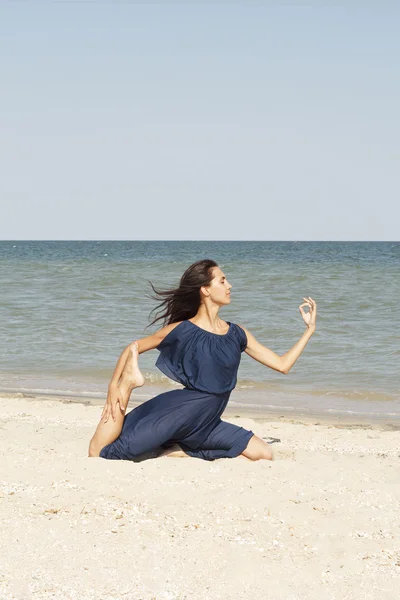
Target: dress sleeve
[(169, 340), (242, 338), (172, 349)]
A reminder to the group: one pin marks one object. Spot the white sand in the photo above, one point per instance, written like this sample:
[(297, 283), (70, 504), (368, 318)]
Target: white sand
[(320, 522)]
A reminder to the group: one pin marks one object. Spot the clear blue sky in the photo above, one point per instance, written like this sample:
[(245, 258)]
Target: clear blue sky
[(244, 120)]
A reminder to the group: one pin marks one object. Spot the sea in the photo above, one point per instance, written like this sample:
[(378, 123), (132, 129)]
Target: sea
[(69, 308)]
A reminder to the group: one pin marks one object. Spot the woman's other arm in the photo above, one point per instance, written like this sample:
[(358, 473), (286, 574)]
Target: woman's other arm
[(143, 345), (114, 396), (284, 363)]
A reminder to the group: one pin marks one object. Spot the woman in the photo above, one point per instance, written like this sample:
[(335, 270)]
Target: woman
[(201, 351)]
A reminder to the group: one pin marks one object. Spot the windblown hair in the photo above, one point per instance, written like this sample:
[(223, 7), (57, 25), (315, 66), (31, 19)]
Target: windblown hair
[(183, 302)]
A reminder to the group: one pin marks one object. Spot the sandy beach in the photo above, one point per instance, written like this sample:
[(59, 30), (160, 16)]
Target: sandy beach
[(319, 522)]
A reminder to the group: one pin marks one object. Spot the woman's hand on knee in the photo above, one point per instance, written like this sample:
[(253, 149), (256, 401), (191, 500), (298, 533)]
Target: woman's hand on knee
[(113, 403)]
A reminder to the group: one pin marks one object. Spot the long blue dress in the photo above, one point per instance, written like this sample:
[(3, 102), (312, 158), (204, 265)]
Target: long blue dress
[(206, 364)]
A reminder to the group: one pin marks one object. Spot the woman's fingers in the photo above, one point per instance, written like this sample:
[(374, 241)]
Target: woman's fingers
[(104, 412), (310, 303), (111, 407), (114, 407), (109, 410), (113, 410), (309, 317)]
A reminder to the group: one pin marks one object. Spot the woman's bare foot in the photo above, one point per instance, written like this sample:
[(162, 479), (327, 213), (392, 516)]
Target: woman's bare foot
[(131, 377)]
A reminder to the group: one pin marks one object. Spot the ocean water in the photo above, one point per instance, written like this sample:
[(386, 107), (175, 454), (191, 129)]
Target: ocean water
[(69, 308)]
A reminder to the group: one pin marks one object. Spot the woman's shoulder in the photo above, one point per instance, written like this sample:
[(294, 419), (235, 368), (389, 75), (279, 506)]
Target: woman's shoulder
[(169, 333), (239, 327), (241, 333), (172, 326)]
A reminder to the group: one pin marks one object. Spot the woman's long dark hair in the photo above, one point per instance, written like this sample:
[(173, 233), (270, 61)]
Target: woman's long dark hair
[(183, 302)]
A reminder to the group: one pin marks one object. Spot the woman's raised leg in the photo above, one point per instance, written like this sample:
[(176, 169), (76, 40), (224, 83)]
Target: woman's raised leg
[(108, 432)]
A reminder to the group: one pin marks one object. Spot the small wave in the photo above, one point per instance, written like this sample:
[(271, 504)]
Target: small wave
[(265, 406), (53, 392), (362, 413), (315, 410), (357, 395), (156, 378)]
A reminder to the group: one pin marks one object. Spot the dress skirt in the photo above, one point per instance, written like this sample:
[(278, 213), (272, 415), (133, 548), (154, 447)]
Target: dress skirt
[(187, 417)]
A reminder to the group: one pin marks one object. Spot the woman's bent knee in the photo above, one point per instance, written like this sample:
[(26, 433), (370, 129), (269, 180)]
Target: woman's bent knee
[(94, 449)]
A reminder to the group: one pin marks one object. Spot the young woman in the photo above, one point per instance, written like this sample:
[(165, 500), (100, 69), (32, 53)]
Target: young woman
[(202, 352)]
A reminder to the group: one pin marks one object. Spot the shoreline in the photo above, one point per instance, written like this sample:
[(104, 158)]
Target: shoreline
[(258, 415)]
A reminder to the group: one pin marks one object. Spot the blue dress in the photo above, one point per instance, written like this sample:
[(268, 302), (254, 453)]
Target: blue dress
[(206, 365)]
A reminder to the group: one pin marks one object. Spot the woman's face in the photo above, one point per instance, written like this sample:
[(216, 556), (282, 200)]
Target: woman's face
[(219, 288)]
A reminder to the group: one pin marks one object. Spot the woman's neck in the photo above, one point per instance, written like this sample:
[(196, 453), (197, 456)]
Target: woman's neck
[(208, 318)]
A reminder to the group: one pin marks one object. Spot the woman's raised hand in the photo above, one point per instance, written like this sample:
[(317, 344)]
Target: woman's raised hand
[(309, 317), (114, 397)]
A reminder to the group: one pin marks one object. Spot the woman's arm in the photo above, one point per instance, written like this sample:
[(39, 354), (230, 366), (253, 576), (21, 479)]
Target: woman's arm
[(143, 345), (152, 341), (283, 363)]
